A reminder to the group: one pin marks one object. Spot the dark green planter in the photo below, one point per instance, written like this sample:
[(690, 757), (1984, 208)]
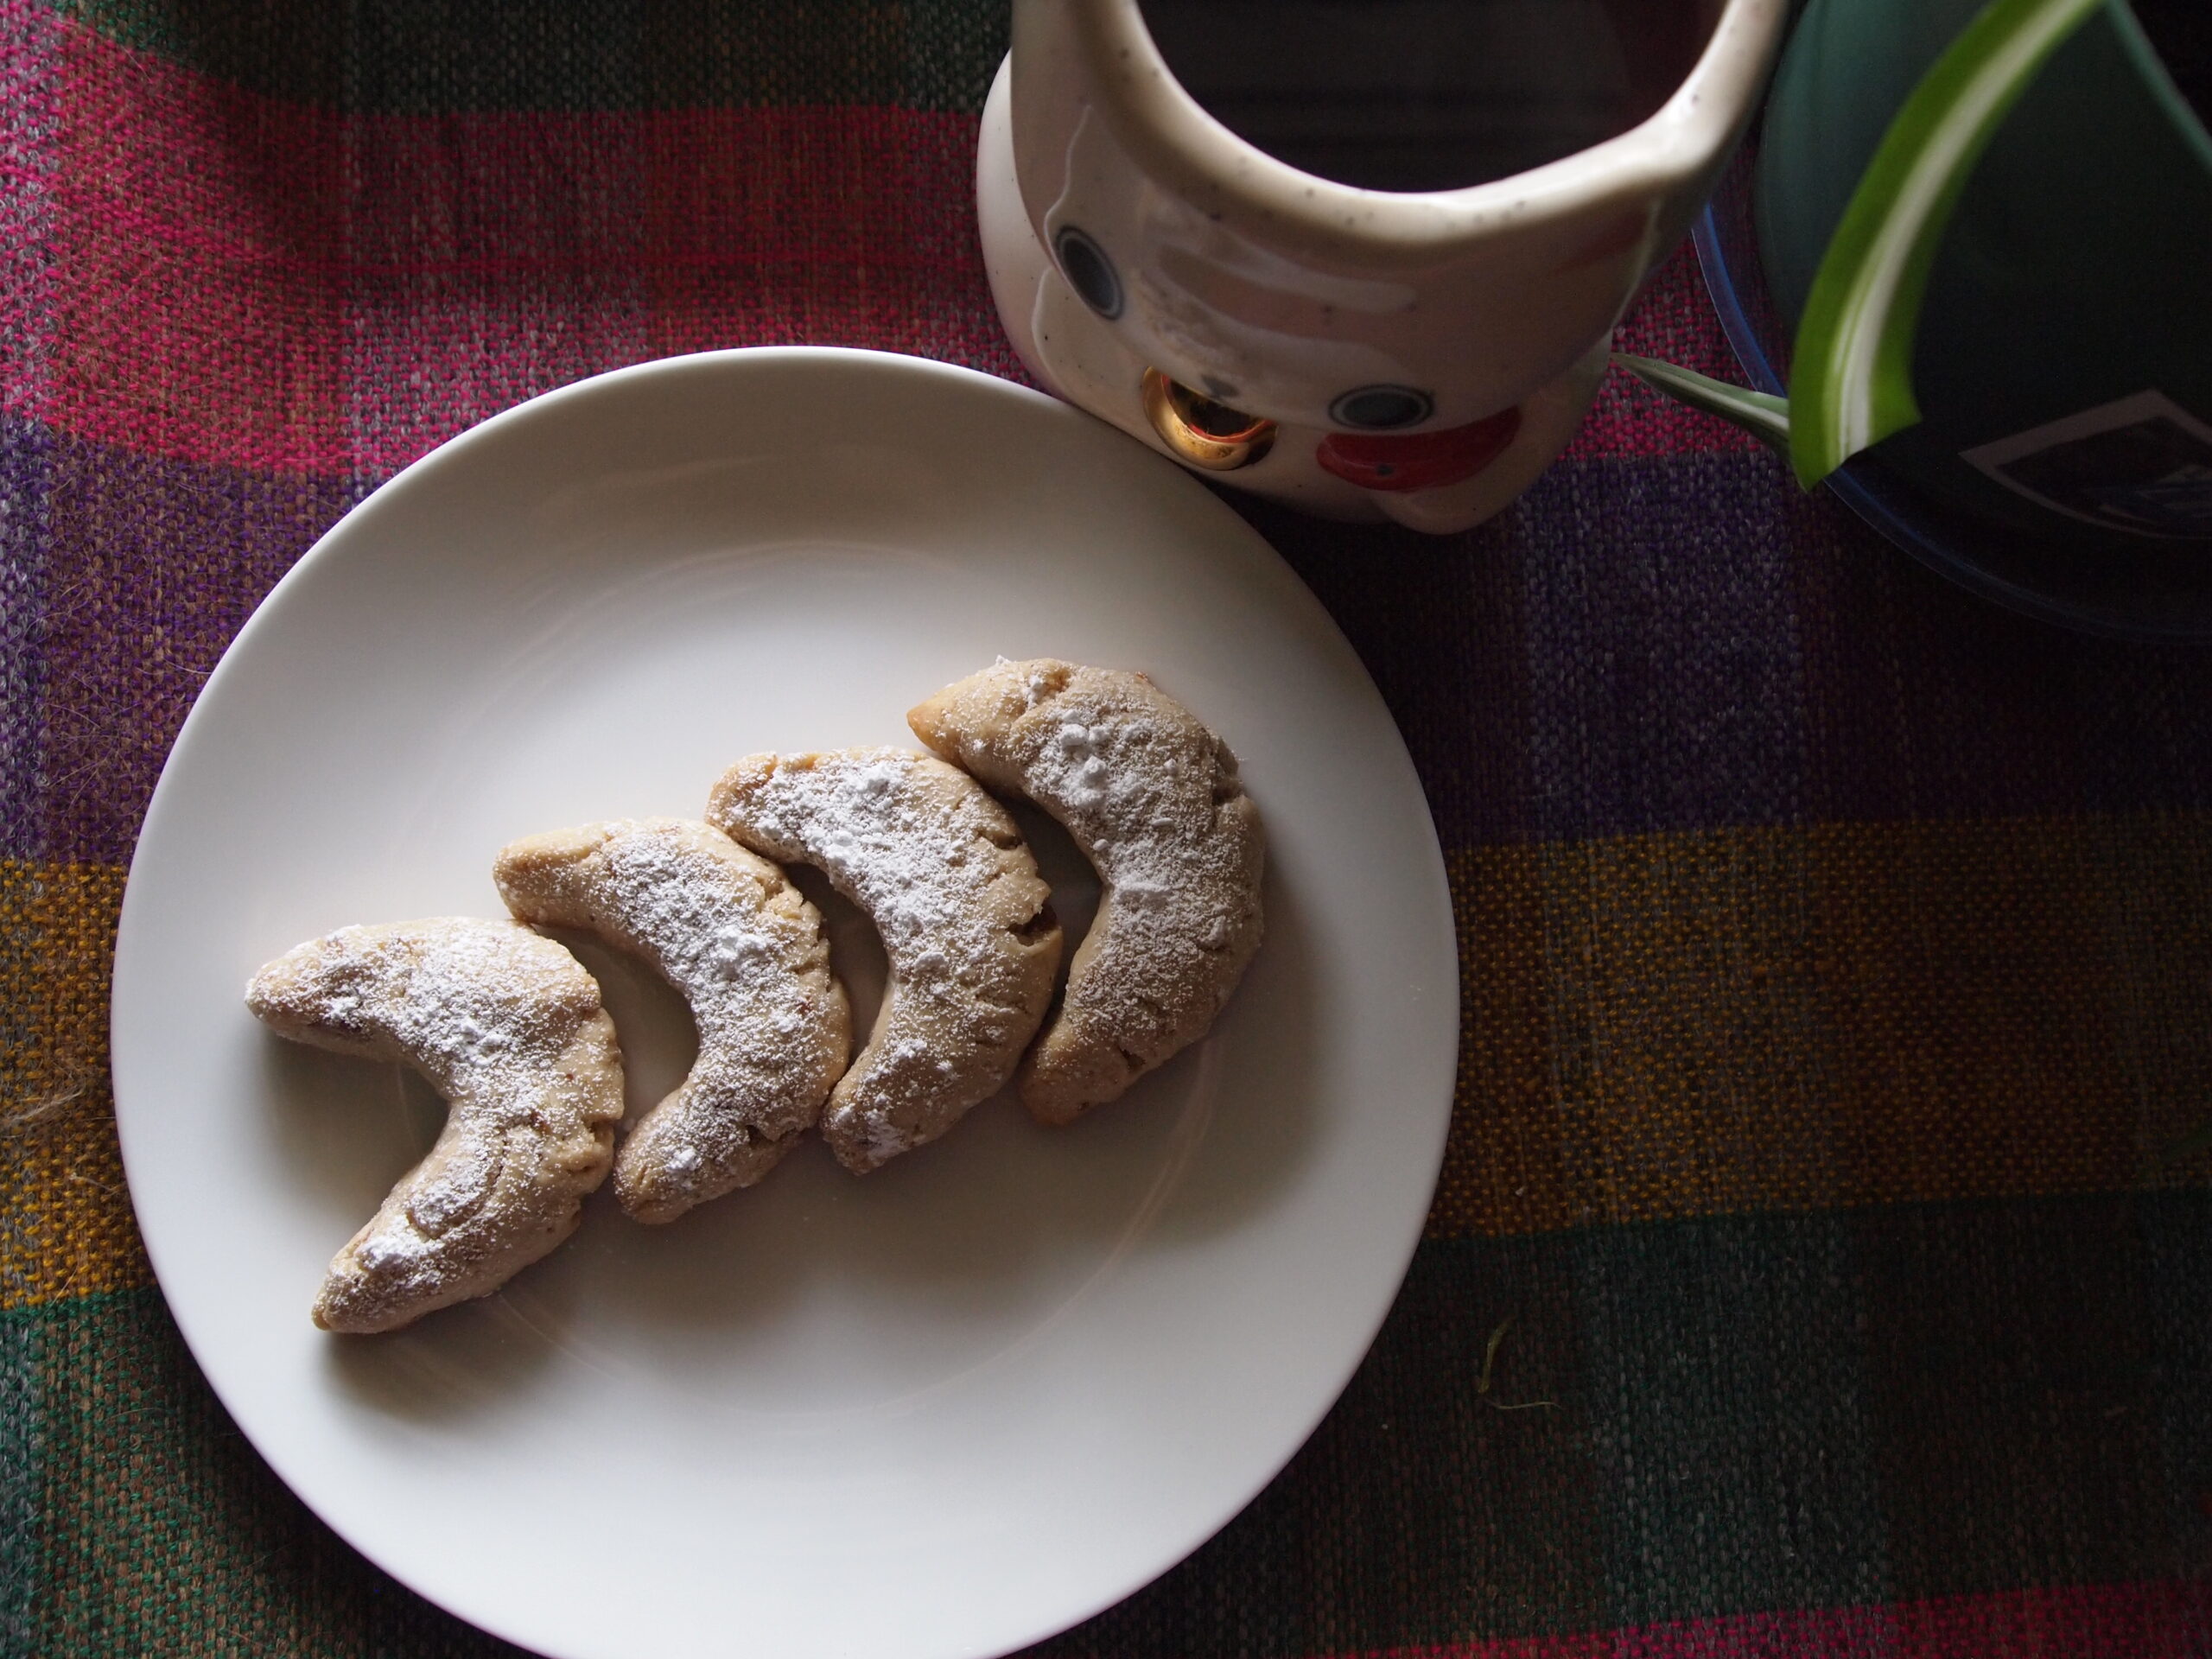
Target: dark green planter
[(2064, 359)]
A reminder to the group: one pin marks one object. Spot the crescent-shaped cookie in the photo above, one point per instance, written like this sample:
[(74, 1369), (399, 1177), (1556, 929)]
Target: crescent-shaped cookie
[(1154, 800), (509, 1028), (744, 949), (966, 922)]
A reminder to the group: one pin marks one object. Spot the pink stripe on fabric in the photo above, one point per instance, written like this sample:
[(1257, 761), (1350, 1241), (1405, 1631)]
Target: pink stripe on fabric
[(249, 283), (425, 202), (2162, 1619), (1841, 1633), (878, 187), (2169, 1619), (497, 256), (494, 193), (493, 257), (421, 367), (1674, 320), (182, 210), (851, 226), (29, 81)]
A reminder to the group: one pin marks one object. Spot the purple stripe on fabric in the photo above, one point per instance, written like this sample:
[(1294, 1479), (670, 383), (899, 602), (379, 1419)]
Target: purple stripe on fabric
[(1665, 682), (1926, 702), (24, 455), (153, 566), (1689, 643), (1440, 623), (2146, 738), (1555, 678)]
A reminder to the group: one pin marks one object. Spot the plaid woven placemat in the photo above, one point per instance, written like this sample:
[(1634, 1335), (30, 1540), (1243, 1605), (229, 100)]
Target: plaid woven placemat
[(1837, 951)]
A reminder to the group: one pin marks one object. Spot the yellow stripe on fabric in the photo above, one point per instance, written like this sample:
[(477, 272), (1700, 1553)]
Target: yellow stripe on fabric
[(1653, 1027), (1667, 1026), (66, 1227)]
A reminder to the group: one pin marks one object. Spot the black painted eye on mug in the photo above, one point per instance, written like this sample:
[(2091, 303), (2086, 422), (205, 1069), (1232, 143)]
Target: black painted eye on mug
[(1382, 408), (1088, 271)]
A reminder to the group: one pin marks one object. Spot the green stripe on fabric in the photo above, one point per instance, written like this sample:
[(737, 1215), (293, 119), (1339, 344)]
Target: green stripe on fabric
[(925, 54), (163, 1533), (446, 56), (2018, 1377), (2177, 1257), (1724, 1389), (1686, 1420), (1750, 1415), (20, 1471), (293, 53)]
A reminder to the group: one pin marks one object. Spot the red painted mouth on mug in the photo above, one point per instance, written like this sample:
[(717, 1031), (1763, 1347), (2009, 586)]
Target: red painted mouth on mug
[(1419, 461)]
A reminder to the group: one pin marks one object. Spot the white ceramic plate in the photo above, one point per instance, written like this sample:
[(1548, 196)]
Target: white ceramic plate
[(943, 1411)]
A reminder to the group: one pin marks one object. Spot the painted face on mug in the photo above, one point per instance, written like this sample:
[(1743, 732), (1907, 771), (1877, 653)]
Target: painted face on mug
[(1404, 226)]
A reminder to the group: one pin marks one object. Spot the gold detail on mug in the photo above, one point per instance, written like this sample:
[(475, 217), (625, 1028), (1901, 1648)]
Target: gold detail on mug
[(1201, 431)]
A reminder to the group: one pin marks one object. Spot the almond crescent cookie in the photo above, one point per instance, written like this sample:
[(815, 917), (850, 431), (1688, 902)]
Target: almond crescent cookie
[(744, 949), (966, 923), (1154, 800), (508, 1028)]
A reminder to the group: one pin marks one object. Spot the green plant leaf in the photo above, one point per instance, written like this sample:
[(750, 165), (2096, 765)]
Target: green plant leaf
[(1850, 375), (1762, 414)]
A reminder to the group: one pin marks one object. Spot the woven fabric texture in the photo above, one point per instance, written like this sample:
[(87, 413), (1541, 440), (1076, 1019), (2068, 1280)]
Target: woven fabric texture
[(1836, 951)]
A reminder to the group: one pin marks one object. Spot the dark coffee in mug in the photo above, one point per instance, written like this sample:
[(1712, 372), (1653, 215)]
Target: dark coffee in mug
[(1418, 95)]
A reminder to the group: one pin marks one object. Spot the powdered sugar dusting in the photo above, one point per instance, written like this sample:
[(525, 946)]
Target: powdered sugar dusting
[(940, 868), (745, 950), (1153, 799), (1142, 786), (700, 919), (482, 1006), (508, 1027), (911, 861)]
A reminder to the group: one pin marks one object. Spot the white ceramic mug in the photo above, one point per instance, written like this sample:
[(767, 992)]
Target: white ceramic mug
[(1361, 353)]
